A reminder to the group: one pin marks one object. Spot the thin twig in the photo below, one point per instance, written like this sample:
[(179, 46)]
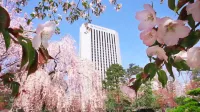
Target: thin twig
[(9, 65), (195, 26), (55, 59), (78, 3)]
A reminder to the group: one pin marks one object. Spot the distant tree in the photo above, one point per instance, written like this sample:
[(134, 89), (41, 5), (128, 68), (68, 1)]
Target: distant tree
[(165, 98), (130, 72), (113, 75), (115, 101), (196, 75), (180, 100)]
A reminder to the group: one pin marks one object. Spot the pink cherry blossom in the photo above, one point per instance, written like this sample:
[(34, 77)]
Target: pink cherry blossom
[(128, 91), (194, 8), (182, 55), (43, 33), (103, 8), (149, 37), (73, 4), (98, 1), (146, 17), (158, 51), (169, 31), (193, 59)]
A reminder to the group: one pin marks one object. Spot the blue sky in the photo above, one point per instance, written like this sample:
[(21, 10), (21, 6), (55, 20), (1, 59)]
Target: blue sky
[(124, 22)]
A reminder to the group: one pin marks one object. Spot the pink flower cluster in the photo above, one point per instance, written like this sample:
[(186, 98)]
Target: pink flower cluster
[(167, 32), (164, 30)]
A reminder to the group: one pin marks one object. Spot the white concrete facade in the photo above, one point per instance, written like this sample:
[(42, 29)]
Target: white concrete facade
[(101, 46)]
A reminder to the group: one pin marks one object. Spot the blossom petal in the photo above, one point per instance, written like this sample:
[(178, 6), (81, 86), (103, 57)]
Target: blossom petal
[(182, 31), (149, 8), (148, 37), (39, 29), (182, 55), (146, 25), (141, 15), (194, 10), (158, 51), (45, 44), (36, 42), (193, 60)]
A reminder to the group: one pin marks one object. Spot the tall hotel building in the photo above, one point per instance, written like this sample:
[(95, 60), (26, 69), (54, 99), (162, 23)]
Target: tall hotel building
[(101, 46)]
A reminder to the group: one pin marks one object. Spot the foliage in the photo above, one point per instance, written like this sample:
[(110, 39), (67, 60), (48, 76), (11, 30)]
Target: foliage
[(180, 100), (116, 101), (145, 98), (189, 104), (72, 10), (131, 71), (6, 99), (192, 106), (163, 50), (113, 75), (194, 92), (196, 75)]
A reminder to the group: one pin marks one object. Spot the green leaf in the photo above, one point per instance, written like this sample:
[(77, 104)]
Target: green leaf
[(7, 37), (169, 69), (15, 88), (171, 4), (191, 21), (4, 19), (194, 92), (181, 66), (191, 39), (136, 85), (85, 5), (139, 76), (30, 55), (33, 66), (162, 77), (28, 21), (7, 78), (150, 69), (24, 54)]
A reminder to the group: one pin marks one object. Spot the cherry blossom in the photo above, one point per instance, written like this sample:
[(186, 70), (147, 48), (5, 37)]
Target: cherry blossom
[(128, 91), (149, 37), (73, 4), (112, 1), (194, 8), (169, 31), (182, 55), (158, 51), (98, 1), (103, 8), (43, 33), (146, 17), (62, 87), (118, 7), (193, 55)]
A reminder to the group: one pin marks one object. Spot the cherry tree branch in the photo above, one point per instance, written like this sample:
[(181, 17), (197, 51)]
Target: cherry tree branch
[(55, 59)]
